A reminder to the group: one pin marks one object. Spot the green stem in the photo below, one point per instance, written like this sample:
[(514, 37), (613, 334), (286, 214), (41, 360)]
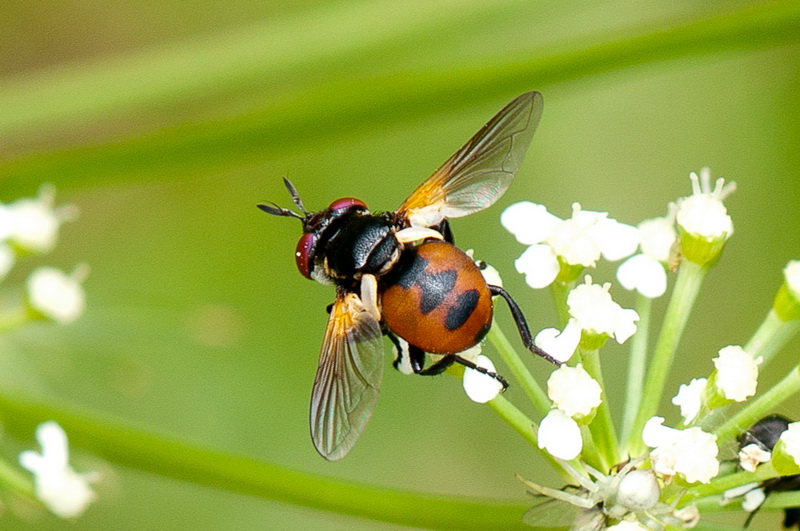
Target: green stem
[(560, 290), (602, 426), (719, 485), (771, 336), (136, 449), (759, 407), (636, 366), (684, 294), (525, 427), (527, 382), (186, 74), (590, 452), (775, 500)]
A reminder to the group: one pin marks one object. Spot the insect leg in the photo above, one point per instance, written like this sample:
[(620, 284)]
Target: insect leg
[(471, 364), (444, 229), (369, 295), (522, 325), (440, 366), (408, 358)]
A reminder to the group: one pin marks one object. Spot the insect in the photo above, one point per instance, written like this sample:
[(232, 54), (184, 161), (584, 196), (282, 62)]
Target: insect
[(399, 274), (765, 434)]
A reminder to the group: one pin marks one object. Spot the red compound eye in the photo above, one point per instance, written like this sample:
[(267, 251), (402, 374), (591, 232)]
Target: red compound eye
[(346, 202), (303, 253)]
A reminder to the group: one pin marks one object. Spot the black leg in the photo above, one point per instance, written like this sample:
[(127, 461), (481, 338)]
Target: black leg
[(416, 356), (482, 370), (443, 228), (522, 325), (440, 366)]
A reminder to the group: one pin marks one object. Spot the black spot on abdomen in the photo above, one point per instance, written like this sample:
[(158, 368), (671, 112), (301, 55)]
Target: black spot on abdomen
[(458, 314), (434, 288)]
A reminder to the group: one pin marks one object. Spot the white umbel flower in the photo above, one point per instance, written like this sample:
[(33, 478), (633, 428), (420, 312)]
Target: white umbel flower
[(560, 344), (645, 271), (703, 212), (594, 311), (56, 295), (692, 453), (34, 223), (690, 398), (578, 241), (65, 492), (703, 220), (752, 455), (753, 499), (560, 435), (791, 441), (480, 387), (737, 373), (573, 391)]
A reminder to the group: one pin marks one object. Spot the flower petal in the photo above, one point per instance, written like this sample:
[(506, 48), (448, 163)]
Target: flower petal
[(480, 387), (528, 222), (539, 264), (560, 435)]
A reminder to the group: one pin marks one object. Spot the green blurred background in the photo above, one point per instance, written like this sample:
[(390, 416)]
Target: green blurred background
[(166, 122)]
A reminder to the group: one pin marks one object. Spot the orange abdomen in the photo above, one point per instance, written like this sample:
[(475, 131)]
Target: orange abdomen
[(437, 299)]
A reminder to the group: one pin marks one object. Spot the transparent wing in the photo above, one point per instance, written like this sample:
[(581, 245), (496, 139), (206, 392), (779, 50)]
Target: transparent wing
[(348, 377), (481, 171), (549, 514)]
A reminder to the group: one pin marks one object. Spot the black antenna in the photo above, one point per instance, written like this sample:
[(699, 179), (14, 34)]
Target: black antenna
[(275, 210), (295, 196)]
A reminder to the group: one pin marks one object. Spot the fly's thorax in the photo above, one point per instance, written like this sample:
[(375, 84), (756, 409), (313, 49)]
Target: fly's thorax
[(360, 243)]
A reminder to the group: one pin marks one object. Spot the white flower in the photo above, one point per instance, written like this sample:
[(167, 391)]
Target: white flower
[(792, 274), (34, 222), (791, 441), (528, 222), (560, 345), (753, 500), (579, 241), (753, 495), (657, 235), (752, 455), (703, 213), (560, 435), (645, 272), (740, 490), (56, 295), (691, 453), (689, 398), (539, 264), (480, 387), (594, 310), (65, 492), (573, 391), (737, 373)]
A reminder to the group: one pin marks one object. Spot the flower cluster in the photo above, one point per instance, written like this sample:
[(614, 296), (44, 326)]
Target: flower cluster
[(665, 465), (30, 227)]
